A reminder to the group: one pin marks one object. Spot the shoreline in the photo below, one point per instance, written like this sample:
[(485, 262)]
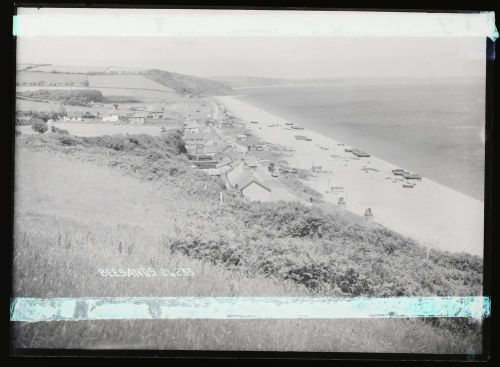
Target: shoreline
[(431, 213)]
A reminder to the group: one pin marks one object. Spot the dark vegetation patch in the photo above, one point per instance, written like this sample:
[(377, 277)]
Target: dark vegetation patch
[(327, 252), (40, 127), (75, 97), (121, 99)]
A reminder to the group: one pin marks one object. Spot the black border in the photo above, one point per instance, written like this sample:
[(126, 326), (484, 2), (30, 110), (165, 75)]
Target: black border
[(491, 179)]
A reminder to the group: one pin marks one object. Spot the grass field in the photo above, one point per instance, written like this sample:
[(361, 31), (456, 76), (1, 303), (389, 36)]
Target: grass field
[(57, 78), (126, 81)]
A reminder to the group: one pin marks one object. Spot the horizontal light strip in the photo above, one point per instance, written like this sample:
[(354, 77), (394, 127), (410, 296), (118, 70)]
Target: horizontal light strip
[(254, 23), (133, 308)]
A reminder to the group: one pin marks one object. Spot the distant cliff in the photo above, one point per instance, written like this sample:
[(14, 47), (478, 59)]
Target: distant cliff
[(187, 84), (247, 82)]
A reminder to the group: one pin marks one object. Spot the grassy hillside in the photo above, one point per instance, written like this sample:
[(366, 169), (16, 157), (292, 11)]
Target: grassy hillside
[(149, 85), (80, 205), (187, 84), (324, 250)]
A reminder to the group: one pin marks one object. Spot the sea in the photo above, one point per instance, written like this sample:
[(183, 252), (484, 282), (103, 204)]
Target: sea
[(432, 127)]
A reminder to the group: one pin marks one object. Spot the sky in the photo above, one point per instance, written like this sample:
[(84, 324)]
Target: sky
[(258, 43)]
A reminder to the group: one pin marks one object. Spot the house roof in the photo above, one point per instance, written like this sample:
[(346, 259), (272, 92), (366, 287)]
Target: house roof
[(74, 113), (251, 161), (236, 171), (197, 136), (241, 177), (138, 115), (210, 149), (247, 179), (224, 162)]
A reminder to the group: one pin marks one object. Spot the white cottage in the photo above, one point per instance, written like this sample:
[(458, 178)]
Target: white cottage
[(246, 181)]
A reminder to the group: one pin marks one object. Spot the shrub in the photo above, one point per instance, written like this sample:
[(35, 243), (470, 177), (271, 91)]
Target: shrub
[(67, 140), (40, 127)]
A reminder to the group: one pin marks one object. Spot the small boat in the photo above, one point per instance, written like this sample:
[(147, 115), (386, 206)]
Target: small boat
[(412, 176), (289, 123), (254, 122), (302, 137), (408, 185), (360, 153), (398, 171), (348, 150)]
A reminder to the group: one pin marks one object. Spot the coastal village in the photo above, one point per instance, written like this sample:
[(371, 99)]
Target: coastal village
[(253, 153), (221, 146)]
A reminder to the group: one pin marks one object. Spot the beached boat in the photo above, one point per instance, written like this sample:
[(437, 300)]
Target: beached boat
[(360, 153), (289, 123), (348, 150), (412, 176), (398, 171), (408, 185), (302, 137)]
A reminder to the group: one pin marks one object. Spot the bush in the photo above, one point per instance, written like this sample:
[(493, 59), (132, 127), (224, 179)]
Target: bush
[(68, 140), (40, 127)]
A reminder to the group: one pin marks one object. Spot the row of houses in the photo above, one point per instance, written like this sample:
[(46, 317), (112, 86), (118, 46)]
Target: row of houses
[(240, 171)]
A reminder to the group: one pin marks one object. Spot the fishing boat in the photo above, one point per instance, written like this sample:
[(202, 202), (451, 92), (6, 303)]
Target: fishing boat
[(360, 153), (302, 137), (412, 176)]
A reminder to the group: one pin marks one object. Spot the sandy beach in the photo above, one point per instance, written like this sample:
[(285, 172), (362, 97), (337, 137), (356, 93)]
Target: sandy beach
[(431, 213)]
